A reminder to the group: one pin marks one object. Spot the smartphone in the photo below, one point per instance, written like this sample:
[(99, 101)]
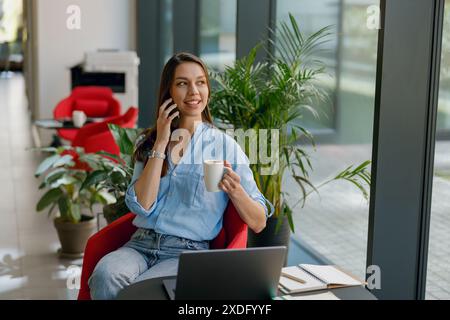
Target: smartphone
[(175, 121)]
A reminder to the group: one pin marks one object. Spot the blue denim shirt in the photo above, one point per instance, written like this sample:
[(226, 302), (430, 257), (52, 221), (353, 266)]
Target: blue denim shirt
[(183, 206)]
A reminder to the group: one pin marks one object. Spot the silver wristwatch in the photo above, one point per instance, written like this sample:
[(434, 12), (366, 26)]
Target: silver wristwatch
[(156, 154)]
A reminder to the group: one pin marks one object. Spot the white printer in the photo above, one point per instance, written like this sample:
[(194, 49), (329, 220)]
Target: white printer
[(118, 70)]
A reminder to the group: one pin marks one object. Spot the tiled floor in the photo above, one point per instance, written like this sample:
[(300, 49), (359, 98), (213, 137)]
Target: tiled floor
[(29, 266)]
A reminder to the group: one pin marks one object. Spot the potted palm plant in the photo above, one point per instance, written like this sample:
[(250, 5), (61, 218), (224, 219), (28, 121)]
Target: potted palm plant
[(63, 174), (274, 95)]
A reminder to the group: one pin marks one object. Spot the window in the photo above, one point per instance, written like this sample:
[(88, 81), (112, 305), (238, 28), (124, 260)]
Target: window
[(438, 271), (311, 17), (167, 30), (334, 225), (218, 32)]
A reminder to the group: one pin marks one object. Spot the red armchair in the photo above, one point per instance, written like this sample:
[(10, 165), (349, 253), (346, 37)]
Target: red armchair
[(95, 137), (115, 235), (96, 102)]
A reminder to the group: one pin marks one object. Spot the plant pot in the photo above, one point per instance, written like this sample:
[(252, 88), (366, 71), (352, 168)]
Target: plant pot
[(268, 237), (116, 210), (74, 236)]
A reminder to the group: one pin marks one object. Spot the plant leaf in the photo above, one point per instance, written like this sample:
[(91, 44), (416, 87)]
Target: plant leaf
[(125, 138), (288, 213), (55, 175), (63, 205), (46, 164), (107, 197), (64, 160), (74, 212), (113, 156), (63, 181), (48, 198), (118, 178), (94, 178)]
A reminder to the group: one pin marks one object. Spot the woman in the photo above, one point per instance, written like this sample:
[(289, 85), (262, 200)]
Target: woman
[(173, 210)]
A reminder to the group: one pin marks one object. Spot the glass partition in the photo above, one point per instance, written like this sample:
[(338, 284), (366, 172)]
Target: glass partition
[(333, 225)]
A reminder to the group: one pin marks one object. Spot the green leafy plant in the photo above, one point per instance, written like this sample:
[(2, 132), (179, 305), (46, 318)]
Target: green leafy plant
[(275, 94), (125, 138), (72, 188), (114, 176), (64, 177)]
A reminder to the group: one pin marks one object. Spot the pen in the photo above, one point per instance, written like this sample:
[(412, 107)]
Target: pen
[(293, 278)]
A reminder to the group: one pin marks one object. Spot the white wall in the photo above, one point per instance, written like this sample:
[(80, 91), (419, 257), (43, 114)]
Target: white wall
[(105, 24)]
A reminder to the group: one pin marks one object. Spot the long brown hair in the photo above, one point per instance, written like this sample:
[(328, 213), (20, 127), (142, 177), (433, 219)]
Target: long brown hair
[(148, 137)]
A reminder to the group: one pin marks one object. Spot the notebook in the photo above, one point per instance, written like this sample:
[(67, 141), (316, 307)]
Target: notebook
[(315, 296), (308, 277)]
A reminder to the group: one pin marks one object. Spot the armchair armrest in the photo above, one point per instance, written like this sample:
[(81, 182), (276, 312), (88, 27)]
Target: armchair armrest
[(110, 238), (63, 109), (239, 241), (236, 229)]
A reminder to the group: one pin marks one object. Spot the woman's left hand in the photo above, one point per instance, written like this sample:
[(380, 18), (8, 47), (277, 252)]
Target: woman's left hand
[(231, 182)]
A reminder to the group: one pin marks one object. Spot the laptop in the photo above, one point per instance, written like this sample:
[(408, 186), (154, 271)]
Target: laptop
[(227, 274)]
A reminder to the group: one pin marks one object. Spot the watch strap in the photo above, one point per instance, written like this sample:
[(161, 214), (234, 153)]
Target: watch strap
[(156, 154)]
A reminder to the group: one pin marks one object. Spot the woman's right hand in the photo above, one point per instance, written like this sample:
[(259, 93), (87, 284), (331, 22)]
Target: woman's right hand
[(164, 121)]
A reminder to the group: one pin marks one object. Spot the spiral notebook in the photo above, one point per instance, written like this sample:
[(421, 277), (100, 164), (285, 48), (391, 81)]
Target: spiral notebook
[(308, 277)]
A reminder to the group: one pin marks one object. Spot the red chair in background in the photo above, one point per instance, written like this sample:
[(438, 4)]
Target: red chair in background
[(95, 102), (95, 137), (232, 236)]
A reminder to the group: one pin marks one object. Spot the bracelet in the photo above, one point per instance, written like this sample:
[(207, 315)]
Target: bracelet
[(156, 154)]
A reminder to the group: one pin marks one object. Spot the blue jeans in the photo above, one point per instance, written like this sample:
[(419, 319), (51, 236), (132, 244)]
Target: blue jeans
[(147, 255)]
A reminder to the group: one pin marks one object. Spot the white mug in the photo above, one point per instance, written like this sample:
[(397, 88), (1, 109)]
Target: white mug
[(79, 118), (213, 171)]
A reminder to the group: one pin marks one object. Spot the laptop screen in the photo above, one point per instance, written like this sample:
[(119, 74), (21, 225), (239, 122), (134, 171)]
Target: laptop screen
[(251, 273)]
